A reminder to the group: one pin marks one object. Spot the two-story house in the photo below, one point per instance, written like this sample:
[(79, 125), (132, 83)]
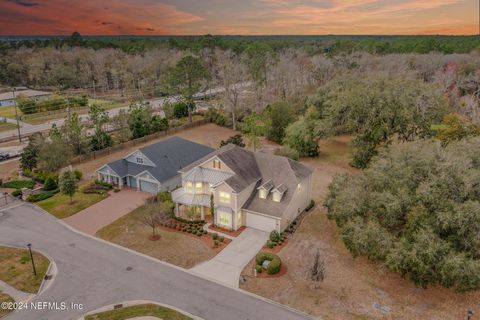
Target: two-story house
[(257, 190), (153, 168)]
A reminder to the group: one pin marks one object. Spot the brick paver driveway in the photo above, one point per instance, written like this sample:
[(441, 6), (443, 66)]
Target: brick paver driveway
[(102, 213)]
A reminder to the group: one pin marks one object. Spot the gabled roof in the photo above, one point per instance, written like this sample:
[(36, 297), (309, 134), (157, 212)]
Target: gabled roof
[(169, 156)]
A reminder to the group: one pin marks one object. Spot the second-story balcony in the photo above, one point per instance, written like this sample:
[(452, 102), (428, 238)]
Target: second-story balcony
[(190, 199)]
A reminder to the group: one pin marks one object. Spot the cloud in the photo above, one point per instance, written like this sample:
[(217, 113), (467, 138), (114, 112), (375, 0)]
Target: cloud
[(26, 3)]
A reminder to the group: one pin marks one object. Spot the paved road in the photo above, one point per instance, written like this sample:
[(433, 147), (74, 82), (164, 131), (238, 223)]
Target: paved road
[(227, 266), (95, 273)]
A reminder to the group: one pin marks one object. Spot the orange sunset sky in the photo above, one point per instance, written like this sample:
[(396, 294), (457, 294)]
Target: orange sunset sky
[(248, 17)]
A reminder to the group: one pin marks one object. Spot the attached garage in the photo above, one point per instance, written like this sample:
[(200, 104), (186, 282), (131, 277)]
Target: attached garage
[(148, 186), (261, 222)]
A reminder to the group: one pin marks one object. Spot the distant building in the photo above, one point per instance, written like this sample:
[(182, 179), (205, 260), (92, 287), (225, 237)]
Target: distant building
[(6, 99)]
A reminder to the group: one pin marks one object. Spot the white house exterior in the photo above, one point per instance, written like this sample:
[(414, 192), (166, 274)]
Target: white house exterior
[(256, 190), (7, 99)]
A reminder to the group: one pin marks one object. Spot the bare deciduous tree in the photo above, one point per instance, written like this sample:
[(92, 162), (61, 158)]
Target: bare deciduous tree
[(316, 272)]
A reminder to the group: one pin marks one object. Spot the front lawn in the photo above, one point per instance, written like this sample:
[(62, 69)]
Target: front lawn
[(16, 269), (5, 298), (173, 247), (9, 112), (59, 205), (141, 310)]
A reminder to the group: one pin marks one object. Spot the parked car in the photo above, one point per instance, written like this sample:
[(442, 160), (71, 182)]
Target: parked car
[(4, 156)]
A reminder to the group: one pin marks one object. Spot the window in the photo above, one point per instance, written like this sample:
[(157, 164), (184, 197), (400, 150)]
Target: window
[(224, 197), (277, 196), (224, 218), (262, 193), (198, 187), (140, 160), (189, 187), (217, 164)]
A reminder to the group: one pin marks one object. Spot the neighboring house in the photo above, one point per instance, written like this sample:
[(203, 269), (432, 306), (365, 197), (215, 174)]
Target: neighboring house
[(257, 190), (154, 168), (6, 99)]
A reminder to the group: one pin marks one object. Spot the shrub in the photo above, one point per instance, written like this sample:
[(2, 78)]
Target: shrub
[(116, 190), (274, 236), (164, 196), (40, 196), (214, 236), (214, 115), (17, 193), (221, 239), (95, 188), (310, 205), (258, 268), (103, 184), (42, 176), (216, 243), (205, 231), (199, 233), (236, 139), (287, 152), (275, 261), (50, 184), (270, 244), (19, 184), (78, 174)]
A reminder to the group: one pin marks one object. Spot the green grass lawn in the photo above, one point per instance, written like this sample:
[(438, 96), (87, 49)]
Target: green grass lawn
[(60, 206), (7, 126), (140, 310), (5, 298), (16, 269)]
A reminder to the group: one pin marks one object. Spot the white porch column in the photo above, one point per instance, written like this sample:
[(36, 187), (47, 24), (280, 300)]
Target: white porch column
[(234, 220), (176, 209), (202, 213)]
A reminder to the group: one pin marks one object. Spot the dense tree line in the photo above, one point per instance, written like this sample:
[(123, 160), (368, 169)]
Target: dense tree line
[(417, 209)]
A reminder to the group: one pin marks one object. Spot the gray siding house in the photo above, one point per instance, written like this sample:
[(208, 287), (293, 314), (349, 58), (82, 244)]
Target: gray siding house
[(6, 99), (154, 168)]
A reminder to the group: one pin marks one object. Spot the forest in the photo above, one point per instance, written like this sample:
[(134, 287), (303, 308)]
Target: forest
[(411, 105)]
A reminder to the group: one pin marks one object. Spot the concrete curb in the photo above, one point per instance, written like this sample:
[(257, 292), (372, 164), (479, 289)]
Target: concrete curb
[(51, 267), (175, 267), (138, 302)]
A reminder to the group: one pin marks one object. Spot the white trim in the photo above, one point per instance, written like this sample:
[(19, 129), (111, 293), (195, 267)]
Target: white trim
[(262, 214), (209, 159), (106, 165), (149, 180), (143, 155)]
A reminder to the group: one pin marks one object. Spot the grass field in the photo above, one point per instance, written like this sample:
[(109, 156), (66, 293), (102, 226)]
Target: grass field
[(5, 298), (173, 247), (8, 112), (60, 206), (142, 310), (16, 269)]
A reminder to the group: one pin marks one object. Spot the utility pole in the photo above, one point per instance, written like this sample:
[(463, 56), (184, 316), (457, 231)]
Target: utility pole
[(16, 114), (31, 258)]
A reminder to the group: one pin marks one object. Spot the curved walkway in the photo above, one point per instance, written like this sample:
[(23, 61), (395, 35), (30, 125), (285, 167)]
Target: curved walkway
[(95, 273)]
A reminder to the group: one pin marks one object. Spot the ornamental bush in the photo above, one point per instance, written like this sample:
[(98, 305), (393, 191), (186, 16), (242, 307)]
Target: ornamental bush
[(275, 261), (40, 196), (19, 184), (50, 184)]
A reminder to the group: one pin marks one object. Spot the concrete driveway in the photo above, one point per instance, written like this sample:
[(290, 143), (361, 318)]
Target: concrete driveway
[(102, 213), (226, 266), (93, 273)]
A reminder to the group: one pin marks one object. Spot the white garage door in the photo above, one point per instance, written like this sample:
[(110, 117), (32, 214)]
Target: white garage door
[(261, 222), (148, 186)]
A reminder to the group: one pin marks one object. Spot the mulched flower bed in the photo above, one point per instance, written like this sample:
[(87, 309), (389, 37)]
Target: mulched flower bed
[(180, 227), (226, 231), (275, 249), (264, 274)]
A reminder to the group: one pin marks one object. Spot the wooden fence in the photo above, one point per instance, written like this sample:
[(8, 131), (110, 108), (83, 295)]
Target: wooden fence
[(94, 154)]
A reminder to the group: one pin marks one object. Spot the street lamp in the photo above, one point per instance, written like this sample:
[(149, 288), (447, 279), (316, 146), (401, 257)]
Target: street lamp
[(470, 313), (31, 258)]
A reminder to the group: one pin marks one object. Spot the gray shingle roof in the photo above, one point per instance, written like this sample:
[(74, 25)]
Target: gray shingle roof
[(169, 156)]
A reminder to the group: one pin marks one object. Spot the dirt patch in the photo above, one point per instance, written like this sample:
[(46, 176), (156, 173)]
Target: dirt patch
[(9, 169), (352, 285), (275, 249)]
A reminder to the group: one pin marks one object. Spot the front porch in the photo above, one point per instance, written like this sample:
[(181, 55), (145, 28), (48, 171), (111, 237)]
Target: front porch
[(193, 212)]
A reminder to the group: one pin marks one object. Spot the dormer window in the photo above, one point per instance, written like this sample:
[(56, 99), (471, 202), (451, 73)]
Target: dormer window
[(262, 193), (278, 192), (139, 160), (277, 196), (217, 164)]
